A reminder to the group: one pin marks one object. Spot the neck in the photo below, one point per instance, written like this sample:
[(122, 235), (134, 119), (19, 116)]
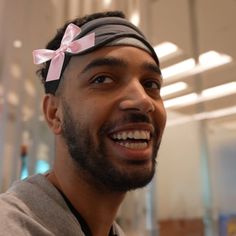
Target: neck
[(93, 204)]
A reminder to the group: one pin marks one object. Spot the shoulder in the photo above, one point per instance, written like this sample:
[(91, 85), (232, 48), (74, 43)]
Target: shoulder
[(17, 215), (34, 207), (14, 217)]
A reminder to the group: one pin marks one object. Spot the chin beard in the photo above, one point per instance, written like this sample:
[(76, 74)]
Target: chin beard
[(95, 165)]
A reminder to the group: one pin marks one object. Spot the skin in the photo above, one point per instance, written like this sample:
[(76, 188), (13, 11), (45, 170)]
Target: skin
[(97, 95)]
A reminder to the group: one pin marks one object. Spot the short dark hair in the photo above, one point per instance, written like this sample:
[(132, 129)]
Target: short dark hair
[(54, 44)]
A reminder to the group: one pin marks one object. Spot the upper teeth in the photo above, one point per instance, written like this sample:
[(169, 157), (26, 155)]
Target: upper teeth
[(134, 134)]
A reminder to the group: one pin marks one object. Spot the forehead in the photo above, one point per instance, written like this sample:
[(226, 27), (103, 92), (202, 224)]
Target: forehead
[(128, 56)]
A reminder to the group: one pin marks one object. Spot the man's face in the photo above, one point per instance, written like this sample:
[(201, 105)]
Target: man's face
[(113, 116)]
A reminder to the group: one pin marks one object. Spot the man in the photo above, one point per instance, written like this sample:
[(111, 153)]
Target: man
[(102, 101)]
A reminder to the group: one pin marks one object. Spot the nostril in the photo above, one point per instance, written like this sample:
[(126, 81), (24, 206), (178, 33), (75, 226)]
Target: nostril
[(143, 105), (135, 97)]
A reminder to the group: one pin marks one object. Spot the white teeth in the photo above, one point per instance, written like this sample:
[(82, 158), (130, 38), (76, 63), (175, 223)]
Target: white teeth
[(134, 145), (134, 134), (130, 134), (124, 136)]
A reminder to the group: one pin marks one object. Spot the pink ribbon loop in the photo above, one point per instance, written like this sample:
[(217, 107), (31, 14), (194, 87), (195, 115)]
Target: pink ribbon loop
[(67, 45)]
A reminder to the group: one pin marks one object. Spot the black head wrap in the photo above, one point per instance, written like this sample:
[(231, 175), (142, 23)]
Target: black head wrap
[(109, 31)]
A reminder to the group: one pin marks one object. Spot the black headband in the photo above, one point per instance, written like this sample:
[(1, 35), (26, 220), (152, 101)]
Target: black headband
[(108, 31)]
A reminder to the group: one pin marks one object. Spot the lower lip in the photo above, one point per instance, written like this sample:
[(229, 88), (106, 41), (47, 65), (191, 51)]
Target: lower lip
[(123, 152)]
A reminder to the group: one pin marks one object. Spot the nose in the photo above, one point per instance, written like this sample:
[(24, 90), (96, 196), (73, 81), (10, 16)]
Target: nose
[(134, 97)]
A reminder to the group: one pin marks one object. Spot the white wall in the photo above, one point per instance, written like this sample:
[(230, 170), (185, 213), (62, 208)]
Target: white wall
[(179, 176), (223, 161), (179, 181)]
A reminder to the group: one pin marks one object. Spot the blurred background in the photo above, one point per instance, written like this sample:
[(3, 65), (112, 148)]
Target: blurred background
[(194, 191)]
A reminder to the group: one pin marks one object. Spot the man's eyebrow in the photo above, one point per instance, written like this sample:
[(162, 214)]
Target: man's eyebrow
[(105, 61), (151, 67)]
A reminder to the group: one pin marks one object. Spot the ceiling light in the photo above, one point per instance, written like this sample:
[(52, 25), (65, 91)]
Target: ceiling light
[(166, 50), (179, 68), (203, 116), (17, 44), (188, 67), (107, 3), (12, 98), (181, 101), (212, 59), (135, 18), (219, 91), (205, 95), (173, 88), (218, 113), (29, 88)]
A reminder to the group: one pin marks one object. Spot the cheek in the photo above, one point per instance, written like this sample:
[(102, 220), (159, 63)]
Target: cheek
[(93, 113), (161, 116), (164, 114)]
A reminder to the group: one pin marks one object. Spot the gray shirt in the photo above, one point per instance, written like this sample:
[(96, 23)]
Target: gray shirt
[(35, 207)]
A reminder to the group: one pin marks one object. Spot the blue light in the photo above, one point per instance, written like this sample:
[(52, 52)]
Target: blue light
[(41, 166)]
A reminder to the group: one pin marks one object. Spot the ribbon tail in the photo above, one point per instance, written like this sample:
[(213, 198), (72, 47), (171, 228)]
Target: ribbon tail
[(55, 67), (42, 55)]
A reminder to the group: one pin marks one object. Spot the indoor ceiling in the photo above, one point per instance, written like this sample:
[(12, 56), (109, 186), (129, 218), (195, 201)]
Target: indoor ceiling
[(197, 27), (194, 26)]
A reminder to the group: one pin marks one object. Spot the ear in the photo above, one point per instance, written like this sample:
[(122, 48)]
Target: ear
[(52, 114)]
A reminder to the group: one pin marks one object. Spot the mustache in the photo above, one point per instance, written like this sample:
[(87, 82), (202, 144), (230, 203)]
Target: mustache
[(136, 118), (126, 119)]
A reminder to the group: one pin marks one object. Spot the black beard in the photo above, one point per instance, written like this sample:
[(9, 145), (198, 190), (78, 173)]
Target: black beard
[(93, 162)]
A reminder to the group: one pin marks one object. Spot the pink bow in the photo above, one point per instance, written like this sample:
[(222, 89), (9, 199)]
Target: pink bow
[(67, 45)]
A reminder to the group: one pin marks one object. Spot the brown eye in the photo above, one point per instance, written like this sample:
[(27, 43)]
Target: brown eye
[(152, 85), (102, 79)]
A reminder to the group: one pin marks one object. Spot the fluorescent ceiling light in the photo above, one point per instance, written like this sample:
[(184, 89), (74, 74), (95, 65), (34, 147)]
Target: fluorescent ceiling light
[(173, 88), (212, 59), (179, 68), (181, 101), (107, 3), (203, 116), (166, 50), (219, 91), (218, 113), (188, 67), (206, 95), (135, 18)]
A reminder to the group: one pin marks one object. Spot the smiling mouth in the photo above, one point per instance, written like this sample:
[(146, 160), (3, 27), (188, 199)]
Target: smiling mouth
[(132, 139)]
